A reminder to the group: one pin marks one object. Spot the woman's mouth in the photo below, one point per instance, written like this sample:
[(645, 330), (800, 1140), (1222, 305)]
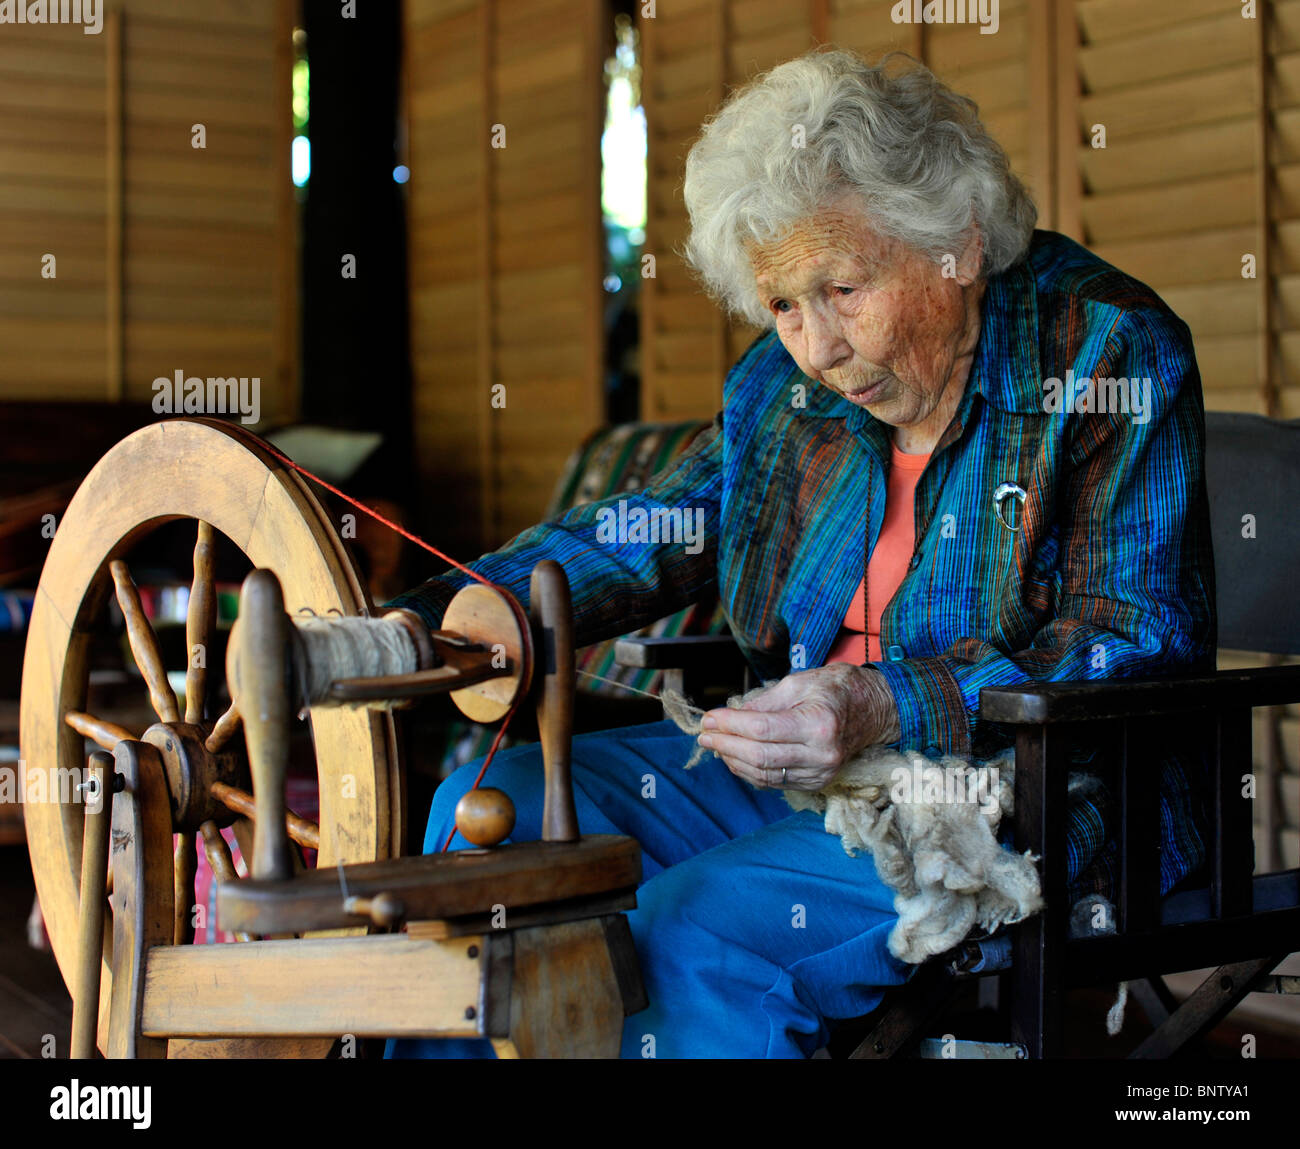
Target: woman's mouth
[(867, 394)]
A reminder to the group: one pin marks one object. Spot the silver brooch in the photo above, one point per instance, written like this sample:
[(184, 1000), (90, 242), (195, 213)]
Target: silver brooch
[(1004, 492)]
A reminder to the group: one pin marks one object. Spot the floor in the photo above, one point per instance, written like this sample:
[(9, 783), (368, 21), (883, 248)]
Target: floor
[(35, 1009), (36, 1012)]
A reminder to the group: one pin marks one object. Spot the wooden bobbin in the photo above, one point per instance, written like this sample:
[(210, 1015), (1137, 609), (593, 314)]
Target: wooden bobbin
[(486, 616)]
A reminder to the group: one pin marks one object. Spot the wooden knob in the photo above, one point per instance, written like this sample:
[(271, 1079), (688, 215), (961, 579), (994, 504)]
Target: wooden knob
[(383, 909), (485, 816)]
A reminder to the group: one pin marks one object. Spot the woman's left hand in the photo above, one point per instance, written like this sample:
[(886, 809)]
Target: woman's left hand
[(809, 724)]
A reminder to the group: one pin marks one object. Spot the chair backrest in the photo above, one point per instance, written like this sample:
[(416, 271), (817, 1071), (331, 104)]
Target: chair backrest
[(1252, 468)]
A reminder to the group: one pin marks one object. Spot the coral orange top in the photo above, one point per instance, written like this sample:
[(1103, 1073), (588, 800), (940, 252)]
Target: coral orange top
[(859, 638)]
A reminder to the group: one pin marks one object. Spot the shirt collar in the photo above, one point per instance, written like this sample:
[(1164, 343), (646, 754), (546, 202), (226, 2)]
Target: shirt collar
[(1006, 370)]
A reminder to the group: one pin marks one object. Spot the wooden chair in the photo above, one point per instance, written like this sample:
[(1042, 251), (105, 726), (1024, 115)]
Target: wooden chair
[(1242, 923)]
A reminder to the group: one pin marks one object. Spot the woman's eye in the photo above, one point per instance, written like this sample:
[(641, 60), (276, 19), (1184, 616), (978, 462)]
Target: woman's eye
[(844, 290), (782, 306)]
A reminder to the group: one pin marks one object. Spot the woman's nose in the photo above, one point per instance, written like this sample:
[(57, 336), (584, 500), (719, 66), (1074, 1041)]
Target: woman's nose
[(827, 347)]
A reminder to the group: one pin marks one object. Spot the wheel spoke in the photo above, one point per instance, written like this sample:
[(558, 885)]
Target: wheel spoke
[(106, 734), (226, 725), (302, 831), (220, 861), (185, 864), (199, 623), (144, 644)]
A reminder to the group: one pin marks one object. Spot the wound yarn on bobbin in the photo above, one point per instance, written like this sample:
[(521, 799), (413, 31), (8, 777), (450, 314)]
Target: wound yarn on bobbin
[(338, 648)]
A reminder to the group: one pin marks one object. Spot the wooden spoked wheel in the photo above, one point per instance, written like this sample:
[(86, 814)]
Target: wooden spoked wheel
[(226, 480)]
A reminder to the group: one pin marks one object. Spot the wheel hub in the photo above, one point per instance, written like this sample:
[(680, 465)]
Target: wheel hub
[(192, 769)]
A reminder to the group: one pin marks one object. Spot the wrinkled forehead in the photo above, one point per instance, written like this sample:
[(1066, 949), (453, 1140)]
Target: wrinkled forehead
[(836, 242)]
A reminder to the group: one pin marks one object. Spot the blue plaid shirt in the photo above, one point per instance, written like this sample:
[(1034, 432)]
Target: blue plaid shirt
[(1084, 393)]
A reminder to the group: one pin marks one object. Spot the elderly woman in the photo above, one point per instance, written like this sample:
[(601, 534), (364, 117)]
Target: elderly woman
[(915, 489)]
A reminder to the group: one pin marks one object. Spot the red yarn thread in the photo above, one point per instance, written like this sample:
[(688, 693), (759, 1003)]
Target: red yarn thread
[(419, 542)]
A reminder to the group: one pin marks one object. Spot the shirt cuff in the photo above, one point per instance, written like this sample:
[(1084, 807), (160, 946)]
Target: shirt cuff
[(932, 715)]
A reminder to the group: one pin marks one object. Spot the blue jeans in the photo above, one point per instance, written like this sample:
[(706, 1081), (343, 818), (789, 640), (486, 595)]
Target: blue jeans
[(753, 927)]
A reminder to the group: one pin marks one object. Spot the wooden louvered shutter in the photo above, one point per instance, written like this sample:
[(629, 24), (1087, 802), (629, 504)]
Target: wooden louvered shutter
[(168, 257), (505, 253), (1174, 196)]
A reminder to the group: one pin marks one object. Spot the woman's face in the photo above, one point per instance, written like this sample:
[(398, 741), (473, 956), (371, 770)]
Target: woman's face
[(874, 320)]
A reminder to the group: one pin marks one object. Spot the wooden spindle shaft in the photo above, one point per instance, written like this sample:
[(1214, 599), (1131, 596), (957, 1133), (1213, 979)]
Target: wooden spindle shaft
[(144, 644), (551, 610), (259, 681), (200, 621), (106, 734), (90, 914), (305, 833)]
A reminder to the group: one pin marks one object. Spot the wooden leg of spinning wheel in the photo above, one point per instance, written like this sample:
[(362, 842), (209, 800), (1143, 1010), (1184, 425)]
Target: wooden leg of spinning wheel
[(565, 999), (143, 892), (90, 918)]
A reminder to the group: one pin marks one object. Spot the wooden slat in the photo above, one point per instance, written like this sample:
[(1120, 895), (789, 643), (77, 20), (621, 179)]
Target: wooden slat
[(196, 42), (17, 96), (1205, 150), (1181, 208), (1105, 20), (677, 33), (1228, 361), (994, 88), (421, 12), (1175, 260), (1171, 104), (1199, 46), (951, 49), (1288, 302), (746, 58), (1287, 235), (1285, 198), (687, 73), (1220, 308)]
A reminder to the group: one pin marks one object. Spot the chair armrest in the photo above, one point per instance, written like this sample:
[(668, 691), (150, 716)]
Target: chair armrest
[(690, 662), (710, 651), (1040, 704)]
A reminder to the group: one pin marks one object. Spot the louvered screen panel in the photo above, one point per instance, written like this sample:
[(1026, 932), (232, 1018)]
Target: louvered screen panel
[(994, 71), (52, 201), (546, 247), (505, 253), (445, 52), (206, 263), (683, 335), (204, 229), (1173, 197)]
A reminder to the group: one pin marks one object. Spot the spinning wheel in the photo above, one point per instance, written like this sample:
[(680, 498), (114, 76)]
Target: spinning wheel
[(189, 774)]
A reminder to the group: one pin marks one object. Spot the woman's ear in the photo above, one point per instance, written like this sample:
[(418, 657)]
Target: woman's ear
[(971, 259)]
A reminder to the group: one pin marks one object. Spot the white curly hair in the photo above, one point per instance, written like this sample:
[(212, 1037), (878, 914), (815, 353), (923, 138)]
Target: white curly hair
[(799, 137)]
